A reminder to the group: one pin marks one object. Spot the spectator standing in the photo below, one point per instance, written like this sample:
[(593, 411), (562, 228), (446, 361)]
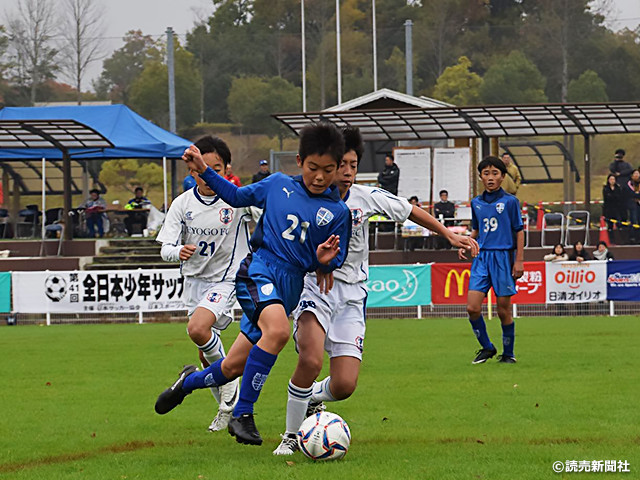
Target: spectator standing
[(231, 177), (621, 169), (138, 202), (413, 200), (94, 213), (388, 178), (558, 254), (613, 207), (262, 173), (579, 253), (602, 252), (633, 205), (512, 179)]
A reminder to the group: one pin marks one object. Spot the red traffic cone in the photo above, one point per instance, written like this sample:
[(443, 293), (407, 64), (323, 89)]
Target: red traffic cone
[(540, 215), (604, 232)]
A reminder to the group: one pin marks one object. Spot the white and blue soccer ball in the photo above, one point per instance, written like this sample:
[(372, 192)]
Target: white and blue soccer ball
[(324, 436)]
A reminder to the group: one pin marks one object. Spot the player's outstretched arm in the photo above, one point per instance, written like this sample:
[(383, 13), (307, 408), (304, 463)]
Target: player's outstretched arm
[(426, 220), (462, 251)]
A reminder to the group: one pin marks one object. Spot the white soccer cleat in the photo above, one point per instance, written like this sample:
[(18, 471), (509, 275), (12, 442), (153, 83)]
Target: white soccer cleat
[(221, 421), (229, 394), (288, 445)]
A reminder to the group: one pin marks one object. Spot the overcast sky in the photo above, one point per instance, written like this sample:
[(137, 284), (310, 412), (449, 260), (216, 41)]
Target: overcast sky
[(154, 16)]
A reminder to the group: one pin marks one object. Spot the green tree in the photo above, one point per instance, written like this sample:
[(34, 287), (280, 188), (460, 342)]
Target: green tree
[(458, 84), (513, 79), (131, 173), (252, 100), (149, 91), (120, 70), (589, 87)]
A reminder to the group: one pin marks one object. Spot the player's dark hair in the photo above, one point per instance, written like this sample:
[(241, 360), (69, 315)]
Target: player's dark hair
[(139, 189), (321, 139), (353, 141), (445, 192), (211, 144), (491, 161), (94, 190)]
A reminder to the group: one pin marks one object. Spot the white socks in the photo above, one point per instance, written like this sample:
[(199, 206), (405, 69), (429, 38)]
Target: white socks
[(212, 351), (322, 392), (297, 403)]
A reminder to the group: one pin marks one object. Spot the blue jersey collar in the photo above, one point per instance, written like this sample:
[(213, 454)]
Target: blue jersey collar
[(331, 192), (490, 197), (202, 200)]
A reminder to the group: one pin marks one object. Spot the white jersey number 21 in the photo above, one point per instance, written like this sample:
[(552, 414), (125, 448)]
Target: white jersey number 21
[(287, 234)]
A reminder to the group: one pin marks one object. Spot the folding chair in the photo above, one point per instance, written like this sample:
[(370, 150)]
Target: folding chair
[(552, 222), (53, 217), (4, 221), (28, 220), (577, 221)]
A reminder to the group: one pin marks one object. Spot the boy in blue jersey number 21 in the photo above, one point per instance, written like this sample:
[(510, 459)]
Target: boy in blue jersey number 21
[(305, 228), (497, 225)]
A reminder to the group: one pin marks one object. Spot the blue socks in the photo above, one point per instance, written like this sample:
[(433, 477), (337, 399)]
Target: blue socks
[(256, 371), (211, 376), (480, 329), (508, 338)]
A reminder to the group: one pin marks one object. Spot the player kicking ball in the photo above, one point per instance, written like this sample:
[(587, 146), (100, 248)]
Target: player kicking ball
[(497, 225), (335, 322), (210, 238), (305, 227)]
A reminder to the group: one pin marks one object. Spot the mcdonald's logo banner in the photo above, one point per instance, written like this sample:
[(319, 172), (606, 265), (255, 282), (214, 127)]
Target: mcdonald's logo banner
[(450, 284)]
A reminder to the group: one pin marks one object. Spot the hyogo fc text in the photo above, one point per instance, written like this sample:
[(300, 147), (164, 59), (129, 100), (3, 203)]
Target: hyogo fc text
[(596, 466)]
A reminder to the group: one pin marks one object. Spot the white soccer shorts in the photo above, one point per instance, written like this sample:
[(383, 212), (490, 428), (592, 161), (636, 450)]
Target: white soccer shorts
[(218, 298), (341, 313)]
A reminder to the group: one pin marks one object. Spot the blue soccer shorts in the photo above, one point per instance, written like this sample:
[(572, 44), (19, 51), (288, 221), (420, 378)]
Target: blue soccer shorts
[(262, 280), (492, 268)]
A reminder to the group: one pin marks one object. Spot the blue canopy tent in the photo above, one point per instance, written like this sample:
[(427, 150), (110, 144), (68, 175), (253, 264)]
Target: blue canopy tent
[(130, 135)]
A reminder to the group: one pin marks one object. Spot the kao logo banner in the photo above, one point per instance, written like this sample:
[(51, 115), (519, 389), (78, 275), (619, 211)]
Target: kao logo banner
[(399, 285), (570, 282)]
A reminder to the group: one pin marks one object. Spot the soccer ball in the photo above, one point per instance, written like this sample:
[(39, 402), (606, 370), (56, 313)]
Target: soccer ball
[(324, 436), (55, 287)]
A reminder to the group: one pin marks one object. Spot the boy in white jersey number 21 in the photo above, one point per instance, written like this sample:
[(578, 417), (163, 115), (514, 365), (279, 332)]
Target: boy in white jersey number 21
[(335, 322), (210, 238)]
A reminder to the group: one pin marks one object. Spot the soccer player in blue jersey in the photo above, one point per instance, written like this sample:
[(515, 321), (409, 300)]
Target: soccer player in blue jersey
[(305, 228), (497, 225)]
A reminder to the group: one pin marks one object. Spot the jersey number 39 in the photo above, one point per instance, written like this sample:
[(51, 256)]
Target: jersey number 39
[(490, 224), (295, 221)]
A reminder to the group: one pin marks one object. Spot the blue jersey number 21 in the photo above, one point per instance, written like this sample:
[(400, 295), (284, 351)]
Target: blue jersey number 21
[(287, 234)]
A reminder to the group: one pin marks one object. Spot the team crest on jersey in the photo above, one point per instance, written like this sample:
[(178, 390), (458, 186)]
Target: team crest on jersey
[(214, 297), (500, 207), (323, 217), (258, 381), (267, 288), (360, 343), (356, 217), (226, 215), (188, 215)]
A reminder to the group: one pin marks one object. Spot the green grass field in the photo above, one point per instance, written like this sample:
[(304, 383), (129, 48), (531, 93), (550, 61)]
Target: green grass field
[(77, 403)]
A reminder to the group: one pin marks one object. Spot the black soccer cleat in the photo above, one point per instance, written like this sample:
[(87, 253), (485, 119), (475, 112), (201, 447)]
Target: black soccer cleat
[(506, 359), (173, 396), (483, 355), (315, 407), (244, 429)]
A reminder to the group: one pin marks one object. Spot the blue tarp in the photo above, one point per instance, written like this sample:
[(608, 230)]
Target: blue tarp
[(132, 135)]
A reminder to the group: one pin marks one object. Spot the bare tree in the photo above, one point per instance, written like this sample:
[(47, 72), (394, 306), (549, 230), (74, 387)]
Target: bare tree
[(81, 29), (31, 31)]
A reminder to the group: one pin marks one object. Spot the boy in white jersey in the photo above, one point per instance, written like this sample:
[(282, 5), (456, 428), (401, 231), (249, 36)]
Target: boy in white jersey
[(335, 322), (210, 239)]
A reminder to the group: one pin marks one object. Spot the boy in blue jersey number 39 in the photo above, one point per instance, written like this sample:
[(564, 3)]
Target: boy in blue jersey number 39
[(497, 225)]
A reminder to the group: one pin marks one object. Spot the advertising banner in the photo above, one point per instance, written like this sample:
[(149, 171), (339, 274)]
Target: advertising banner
[(399, 285), (97, 291), (623, 280), (5, 292), (450, 284), (573, 282)]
